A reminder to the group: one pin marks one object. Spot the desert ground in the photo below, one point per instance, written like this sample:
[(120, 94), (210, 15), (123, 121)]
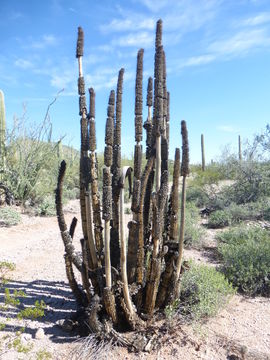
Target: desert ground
[(239, 331)]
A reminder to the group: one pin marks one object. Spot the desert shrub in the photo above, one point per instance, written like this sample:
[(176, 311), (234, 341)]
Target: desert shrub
[(252, 183), (33, 312), (9, 216), (194, 233), (71, 194), (46, 207), (33, 159), (197, 195), (210, 176), (204, 291), (219, 219), (246, 259)]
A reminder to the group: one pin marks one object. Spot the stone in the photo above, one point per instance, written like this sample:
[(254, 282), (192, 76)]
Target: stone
[(65, 324), (39, 334)]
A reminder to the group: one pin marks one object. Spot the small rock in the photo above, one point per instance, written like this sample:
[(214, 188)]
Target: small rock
[(65, 324), (39, 334)]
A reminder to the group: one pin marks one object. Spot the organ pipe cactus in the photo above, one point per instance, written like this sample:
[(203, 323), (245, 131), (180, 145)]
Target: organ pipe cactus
[(2, 134), (125, 283)]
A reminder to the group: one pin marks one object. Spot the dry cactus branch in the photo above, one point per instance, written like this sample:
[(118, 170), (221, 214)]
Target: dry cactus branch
[(116, 171), (184, 173), (94, 197), (67, 239)]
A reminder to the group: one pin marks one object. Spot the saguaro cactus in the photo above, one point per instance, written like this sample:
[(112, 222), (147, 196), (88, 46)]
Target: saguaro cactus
[(239, 148), (123, 285), (2, 134), (203, 153)]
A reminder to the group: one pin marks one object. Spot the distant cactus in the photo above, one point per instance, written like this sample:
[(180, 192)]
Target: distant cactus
[(2, 134), (239, 148), (203, 153), (125, 283)]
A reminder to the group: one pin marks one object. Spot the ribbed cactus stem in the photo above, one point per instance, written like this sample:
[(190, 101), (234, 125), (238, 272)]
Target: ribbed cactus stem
[(95, 207), (165, 106), (2, 134), (123, 261), (148, 123), (158, 114), (239, 148), (79, 50), (174, 196), (184, 174), (203, 152), (168, 119), (84, 147), (116, 171)]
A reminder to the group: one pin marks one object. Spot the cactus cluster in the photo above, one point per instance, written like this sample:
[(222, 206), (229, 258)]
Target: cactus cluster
[(128, 274)]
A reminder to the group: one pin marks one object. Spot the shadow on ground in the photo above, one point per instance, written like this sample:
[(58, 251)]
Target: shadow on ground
[(59, 301)]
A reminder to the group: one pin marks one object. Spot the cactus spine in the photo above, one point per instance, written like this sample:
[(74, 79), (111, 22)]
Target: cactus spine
[(123, 284)]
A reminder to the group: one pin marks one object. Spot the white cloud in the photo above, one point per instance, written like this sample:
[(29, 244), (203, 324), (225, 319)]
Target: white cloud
[(23, 64), (199, 60), (257, 20), (45, 41), (118, 25), (155, 6), (139, 39), (227, 128), (241, 43)]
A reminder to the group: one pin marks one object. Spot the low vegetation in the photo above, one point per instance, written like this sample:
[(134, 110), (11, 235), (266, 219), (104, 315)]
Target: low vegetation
[(9, 216), (204, 291), (246, 259)]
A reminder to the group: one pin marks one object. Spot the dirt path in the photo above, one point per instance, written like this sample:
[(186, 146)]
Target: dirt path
[(36, 248)]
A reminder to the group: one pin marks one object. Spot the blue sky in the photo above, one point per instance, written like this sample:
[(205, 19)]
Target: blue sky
[(218, 62)]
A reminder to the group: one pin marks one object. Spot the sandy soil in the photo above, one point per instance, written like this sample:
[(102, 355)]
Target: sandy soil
[(242, 329)]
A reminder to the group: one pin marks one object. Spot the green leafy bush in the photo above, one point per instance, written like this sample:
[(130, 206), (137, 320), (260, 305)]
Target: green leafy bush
[(9, 217), (194, 233), (197, 195), (33, 312), (219, 219), (204, 291), (13, 298), (246, 259), (46, 207)]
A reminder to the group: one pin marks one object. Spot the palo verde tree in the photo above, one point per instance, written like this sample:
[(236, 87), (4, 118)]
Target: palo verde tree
[(128, 274)]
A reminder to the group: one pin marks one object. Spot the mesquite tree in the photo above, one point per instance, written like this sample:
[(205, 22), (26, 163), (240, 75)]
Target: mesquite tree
[(128, 274)]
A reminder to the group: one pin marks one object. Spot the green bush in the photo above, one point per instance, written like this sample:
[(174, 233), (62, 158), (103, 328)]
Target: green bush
[(219, 219), (46, 207), (194, 233), (246, 259), (33, 312), (204, 291), (197, 195), (9, 216)]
